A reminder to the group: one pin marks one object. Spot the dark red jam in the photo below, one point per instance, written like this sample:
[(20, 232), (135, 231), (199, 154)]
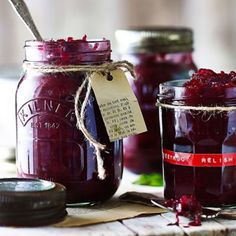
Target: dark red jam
[(49, 145), (206, 84), (199, 137), (188, 206), (154, 64)]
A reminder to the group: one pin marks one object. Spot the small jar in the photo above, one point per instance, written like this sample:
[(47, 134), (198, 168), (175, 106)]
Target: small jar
[(199, 142), (159, 55), (49, 145)]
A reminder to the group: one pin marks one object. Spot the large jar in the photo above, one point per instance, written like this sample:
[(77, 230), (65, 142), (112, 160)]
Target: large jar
[(49, 145), (198, 121), (159, 55)]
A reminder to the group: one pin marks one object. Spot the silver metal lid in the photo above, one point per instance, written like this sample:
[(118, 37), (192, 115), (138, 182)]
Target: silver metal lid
[(31, 202), (155, 39)]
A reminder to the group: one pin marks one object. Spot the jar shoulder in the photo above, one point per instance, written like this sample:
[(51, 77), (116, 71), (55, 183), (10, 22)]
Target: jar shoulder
[(48, 85)]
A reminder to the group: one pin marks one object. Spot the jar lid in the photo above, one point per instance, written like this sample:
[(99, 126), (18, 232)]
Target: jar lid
[(155, 39), (31, 202)]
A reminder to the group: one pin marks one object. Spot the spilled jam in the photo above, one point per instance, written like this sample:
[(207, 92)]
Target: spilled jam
[(187, 206)]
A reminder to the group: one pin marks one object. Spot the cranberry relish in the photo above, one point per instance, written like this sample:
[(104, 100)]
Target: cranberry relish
[(208, 84), (200, 132), (206, 78)]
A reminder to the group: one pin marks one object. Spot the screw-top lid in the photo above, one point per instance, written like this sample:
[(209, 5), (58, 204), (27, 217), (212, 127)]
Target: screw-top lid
[(31, 202), (155, 39)]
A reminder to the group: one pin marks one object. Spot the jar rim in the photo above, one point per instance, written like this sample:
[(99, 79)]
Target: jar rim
[(74, 51), (180, 84), (174, 83), (104, 44), (58, 41), (171, 91)]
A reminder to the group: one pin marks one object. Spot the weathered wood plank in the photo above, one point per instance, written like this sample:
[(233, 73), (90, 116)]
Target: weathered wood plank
[(230, 226), (208, 227), (152, 225), (105, 229)]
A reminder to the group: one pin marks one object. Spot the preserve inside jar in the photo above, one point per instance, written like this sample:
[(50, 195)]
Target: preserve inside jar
[(49, 145), (159, 55), (198, 127)]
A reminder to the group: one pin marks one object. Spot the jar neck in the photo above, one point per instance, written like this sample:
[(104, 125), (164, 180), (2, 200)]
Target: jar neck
[(177, 57), (63, 52)]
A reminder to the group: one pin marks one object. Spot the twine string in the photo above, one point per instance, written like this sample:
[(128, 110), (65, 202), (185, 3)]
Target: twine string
[(197, 108), (80, 124), (105, 67), (86, 85)]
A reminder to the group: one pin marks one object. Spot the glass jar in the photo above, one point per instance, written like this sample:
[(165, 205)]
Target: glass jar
[(49, 145), (159, 55), (199, 143)]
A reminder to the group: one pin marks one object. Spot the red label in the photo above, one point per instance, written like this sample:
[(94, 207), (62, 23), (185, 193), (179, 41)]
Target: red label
[(199, 159)]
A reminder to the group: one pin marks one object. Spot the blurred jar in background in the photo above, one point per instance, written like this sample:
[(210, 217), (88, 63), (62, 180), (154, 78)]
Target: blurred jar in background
[(159, 54)]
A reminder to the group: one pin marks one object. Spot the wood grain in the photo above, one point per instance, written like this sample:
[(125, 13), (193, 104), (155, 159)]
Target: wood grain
[(152, 225)]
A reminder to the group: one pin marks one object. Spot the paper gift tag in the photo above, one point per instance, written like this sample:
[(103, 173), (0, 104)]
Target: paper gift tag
[(118, 105)]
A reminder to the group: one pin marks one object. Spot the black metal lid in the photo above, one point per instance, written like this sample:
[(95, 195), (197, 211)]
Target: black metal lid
[(31, 202), (155, 39)]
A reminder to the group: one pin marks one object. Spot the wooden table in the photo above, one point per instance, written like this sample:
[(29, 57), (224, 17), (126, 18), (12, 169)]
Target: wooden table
[(148, 225)]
